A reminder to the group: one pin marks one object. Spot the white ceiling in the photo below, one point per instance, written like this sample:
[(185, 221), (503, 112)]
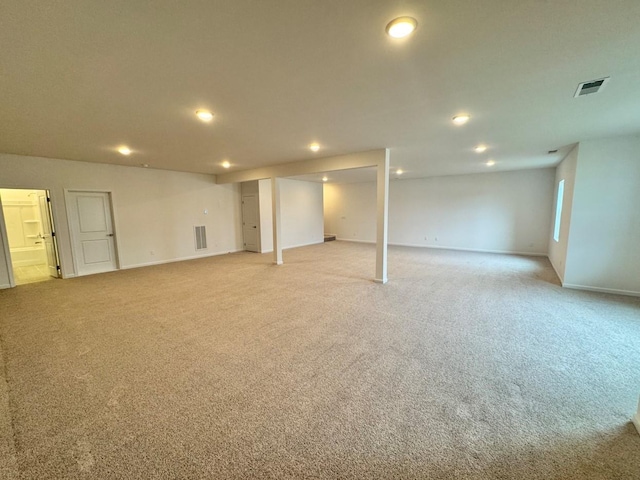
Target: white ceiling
[(78, 79)]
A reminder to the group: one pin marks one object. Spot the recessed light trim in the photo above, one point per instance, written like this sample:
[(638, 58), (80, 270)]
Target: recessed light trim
[(226, 164), (314, 147), (204, 115), (490, 163), (124, 150), (480, 148), (461, 119), (401, 27), (325, 179)]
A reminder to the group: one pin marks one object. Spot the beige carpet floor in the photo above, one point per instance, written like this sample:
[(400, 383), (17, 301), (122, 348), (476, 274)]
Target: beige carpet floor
[(464, 366)]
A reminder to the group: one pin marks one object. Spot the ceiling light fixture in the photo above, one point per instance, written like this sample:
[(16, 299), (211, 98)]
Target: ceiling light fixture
[(204, 115), (491, 163), (480, 148), (124, 150), (226, 164), (325, 179), (461, 119), (314, 147), (401, 27), (399, 171)]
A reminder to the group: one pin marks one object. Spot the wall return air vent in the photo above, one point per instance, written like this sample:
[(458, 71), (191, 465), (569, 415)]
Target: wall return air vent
[(200, 233), (592, 86)]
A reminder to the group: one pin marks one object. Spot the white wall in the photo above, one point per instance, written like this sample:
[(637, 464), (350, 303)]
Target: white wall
[(566, 171), (604, 240), (155, 210), (502, 211), (350, 210), (301, 210)]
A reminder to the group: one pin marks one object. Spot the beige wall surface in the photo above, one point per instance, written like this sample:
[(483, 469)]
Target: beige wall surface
[(154, 210), (501, 211)]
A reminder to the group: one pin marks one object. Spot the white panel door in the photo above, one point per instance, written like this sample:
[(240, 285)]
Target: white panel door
[(48, 235), (92, 232), (250, 222)]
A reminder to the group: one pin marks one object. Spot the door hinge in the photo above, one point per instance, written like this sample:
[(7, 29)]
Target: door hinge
[(53, 234)]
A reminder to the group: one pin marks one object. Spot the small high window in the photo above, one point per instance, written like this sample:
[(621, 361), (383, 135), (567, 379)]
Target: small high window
[(556, 227)]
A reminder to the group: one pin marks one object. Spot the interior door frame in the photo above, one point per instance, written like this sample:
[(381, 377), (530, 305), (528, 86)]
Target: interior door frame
[(258, 226), (112, 211), (5, 235), (54, 236), (5, 243)]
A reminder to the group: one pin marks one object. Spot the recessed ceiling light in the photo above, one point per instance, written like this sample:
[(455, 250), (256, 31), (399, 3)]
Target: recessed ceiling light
[(480, 148), (204, 115), (399, 171), (401, 27), (461, 119), (314, 147), (491, 163), (325, 179), (124, 150), (226, 164)]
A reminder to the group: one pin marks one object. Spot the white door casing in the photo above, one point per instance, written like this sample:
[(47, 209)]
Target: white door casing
[(92, 235), (48, 233), (250, 223)]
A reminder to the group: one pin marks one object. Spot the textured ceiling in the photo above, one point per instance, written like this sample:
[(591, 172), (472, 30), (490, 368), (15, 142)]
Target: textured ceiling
[(79, 78)]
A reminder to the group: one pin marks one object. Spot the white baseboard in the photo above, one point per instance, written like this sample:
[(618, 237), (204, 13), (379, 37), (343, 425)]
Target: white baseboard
[(441, 247), (5, 285), (353, 240), (181, 259), (477, 250), (303, 244), (294, 246), (636, 421), (614, 291)]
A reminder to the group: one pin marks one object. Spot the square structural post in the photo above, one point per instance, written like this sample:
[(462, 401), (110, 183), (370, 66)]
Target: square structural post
[(382, 185), (276, 219)]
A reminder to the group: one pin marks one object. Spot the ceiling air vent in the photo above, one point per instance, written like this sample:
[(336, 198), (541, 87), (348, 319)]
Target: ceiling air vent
[(592, 86)]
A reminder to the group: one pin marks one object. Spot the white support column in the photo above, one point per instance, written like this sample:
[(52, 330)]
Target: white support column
[(275, 215), (383, 219)]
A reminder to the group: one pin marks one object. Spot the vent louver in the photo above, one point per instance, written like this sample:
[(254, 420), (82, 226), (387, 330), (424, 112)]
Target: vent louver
[(200, 233), (590, 87)]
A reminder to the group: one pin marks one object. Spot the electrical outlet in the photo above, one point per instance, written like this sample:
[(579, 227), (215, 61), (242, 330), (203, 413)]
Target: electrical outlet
[(152, 252), (436, 239)]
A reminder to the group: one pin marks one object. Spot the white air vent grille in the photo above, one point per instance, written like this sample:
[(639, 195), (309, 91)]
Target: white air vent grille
[(200, 233), (592, 86)]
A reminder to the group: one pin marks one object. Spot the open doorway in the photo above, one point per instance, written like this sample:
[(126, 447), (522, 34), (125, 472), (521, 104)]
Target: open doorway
[(30, 234)]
